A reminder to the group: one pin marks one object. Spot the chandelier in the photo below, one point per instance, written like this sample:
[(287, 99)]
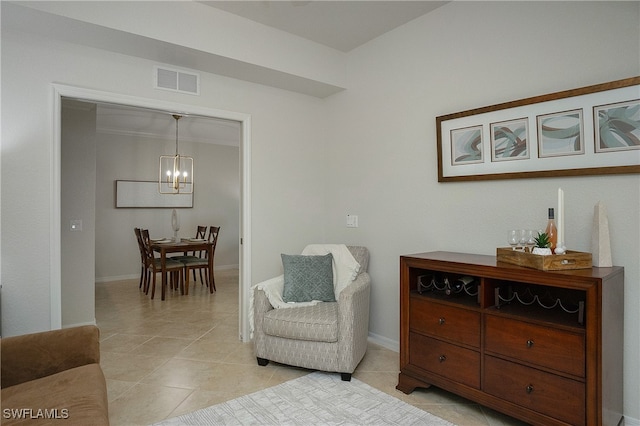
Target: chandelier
[(176, 171)]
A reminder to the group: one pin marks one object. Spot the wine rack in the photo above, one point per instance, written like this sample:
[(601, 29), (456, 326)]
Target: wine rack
[(570, 302), (514, 339), (435, 283)]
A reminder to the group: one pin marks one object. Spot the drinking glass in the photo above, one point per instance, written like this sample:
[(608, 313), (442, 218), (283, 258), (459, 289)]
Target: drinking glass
[(530, 240), (522, 238), (513, 236)]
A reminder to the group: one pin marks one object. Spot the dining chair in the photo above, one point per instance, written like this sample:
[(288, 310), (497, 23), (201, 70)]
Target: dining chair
[(143, 267), (201, 262), (201, 233), (154, 265)]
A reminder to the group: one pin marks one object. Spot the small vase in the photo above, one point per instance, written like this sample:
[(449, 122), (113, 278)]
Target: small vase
[(542, 251)]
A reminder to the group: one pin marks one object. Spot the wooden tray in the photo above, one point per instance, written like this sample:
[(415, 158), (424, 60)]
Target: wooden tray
[(554, 262)]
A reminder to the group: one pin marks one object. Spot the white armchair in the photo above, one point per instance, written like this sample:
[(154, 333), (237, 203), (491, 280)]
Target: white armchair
[(328, 336)]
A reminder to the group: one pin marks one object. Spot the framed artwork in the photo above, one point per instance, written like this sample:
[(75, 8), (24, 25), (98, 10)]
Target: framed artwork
[(560, 133), (466, 145), (617, 126), (509, 140), (593, 130)]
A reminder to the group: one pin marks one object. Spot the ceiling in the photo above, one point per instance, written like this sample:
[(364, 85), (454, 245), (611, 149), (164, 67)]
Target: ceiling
[(146, 123), (342, 25)]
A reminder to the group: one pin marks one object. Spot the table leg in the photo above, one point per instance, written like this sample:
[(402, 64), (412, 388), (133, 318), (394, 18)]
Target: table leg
[(210, 268), (163, 256)]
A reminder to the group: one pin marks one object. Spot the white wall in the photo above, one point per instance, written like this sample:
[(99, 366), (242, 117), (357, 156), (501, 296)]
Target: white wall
[(216, 200), (466, 55), (78, 177), (288, 158)]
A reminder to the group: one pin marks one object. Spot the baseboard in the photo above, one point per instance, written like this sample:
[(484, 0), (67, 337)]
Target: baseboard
[(117, 278), (137, 276), (225, 267), (630, 421), (392, 345), (79, 324)]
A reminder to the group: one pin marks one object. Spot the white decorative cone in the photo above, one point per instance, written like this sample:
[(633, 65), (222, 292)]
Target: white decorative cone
[(600, 239), (175, 225)]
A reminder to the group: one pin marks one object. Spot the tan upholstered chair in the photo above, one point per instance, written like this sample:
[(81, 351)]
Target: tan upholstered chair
[(329, 336)]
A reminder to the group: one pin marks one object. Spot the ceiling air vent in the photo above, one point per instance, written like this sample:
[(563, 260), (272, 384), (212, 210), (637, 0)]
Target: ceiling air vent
[(177, 81)]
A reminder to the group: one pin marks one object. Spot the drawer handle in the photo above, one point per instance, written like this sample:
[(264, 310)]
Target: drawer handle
[(442, 358), (441, 321), (529, 389), (529, 343)]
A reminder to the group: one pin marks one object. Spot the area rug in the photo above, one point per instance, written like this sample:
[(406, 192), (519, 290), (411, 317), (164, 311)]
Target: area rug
[(315, 399)]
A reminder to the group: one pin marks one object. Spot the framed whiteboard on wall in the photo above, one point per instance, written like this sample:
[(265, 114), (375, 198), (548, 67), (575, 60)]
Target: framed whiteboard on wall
[(145, 195)]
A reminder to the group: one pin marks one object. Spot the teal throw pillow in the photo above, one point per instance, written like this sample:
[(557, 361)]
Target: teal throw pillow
[(308, 278)]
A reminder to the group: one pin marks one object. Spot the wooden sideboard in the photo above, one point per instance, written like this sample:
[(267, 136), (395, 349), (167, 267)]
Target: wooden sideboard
[(543, 347)]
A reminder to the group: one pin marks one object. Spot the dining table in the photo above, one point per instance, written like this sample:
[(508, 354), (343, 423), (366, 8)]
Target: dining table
[(184, 245)]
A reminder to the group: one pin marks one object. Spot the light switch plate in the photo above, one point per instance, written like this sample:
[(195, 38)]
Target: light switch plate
[(352, 221)]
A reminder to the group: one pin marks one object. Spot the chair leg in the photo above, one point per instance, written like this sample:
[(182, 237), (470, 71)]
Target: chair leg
[(346, 377), (186, 281), (262, 362), (153, 285), (174, 281)]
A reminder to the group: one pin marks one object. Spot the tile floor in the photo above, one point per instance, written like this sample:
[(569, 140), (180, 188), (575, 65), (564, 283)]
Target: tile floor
[(165, 358)]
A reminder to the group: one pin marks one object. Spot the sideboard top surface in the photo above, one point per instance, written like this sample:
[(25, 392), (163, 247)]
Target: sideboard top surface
[(489, 264)]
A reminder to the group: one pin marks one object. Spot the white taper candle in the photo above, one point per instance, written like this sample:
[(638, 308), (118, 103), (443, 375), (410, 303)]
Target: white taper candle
[(560, 224)]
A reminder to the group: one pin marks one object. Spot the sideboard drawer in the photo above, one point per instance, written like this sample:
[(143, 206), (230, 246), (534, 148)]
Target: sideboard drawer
[(444, 321), (544, 346), (447, 360), (555, 396)]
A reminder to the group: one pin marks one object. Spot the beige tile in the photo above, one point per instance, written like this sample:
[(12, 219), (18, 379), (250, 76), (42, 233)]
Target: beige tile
[(209, 350), (129, 367), (378, 358), (498, 419), (167, 358), (115, 388), (145, 404), (238, 379), (162, 347), (383, 381), (459, 414), (283, 374), (242, 353), (223, 332), (182, 373), (123, 342), (199, 399)]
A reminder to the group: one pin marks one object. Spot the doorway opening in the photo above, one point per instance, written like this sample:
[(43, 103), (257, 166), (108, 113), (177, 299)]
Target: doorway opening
[(66, 93)]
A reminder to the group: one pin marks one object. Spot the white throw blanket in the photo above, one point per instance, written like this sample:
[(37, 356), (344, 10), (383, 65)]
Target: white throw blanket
[(345, 270)]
